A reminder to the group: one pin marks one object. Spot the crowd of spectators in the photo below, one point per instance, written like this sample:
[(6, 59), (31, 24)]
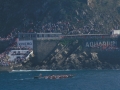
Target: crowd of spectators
[(4, 59), (64, 27)]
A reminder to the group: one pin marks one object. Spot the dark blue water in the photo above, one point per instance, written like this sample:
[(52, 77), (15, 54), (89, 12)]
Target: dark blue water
[(82, 80)]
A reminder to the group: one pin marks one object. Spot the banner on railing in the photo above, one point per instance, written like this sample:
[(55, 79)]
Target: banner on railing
[(27, 43)]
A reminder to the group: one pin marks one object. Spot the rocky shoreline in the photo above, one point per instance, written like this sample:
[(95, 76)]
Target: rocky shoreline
[(74, 62), (70, 54)]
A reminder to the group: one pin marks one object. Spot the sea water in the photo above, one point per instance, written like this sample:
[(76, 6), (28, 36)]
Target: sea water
[(82, 80)]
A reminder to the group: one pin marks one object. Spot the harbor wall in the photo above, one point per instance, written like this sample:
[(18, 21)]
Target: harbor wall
[(42, 48), (113, 57), (105, 49)]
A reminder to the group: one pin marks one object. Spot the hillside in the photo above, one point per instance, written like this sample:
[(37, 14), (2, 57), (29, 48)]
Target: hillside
[(66, 16)]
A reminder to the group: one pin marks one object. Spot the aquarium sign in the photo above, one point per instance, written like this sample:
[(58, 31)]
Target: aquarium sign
[(101, 43)]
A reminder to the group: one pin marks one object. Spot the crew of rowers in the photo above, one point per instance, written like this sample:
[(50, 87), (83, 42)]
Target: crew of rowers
[(55, 76)]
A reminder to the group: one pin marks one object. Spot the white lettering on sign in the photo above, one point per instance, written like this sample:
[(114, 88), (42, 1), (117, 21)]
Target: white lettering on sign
[(25, 43), (101, 43), (28, 43)]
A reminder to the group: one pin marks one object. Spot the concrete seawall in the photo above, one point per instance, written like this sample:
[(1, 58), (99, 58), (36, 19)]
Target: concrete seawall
[(42, 48), (113, 57), (110, 56), (5, 68)]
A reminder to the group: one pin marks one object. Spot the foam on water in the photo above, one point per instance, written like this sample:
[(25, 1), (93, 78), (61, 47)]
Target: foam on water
[(37, 70)]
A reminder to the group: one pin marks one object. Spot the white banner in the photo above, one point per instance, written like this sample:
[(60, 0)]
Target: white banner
[(27, 43)]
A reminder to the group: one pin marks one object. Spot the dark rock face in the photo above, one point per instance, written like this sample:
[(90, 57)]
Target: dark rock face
[(4, 45)]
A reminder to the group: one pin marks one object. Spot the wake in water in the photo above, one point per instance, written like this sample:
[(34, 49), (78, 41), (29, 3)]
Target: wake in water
[(24, 79), (37, 70)]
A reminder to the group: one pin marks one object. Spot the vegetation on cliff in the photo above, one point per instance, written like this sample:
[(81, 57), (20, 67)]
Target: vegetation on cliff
[(100, 16)]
